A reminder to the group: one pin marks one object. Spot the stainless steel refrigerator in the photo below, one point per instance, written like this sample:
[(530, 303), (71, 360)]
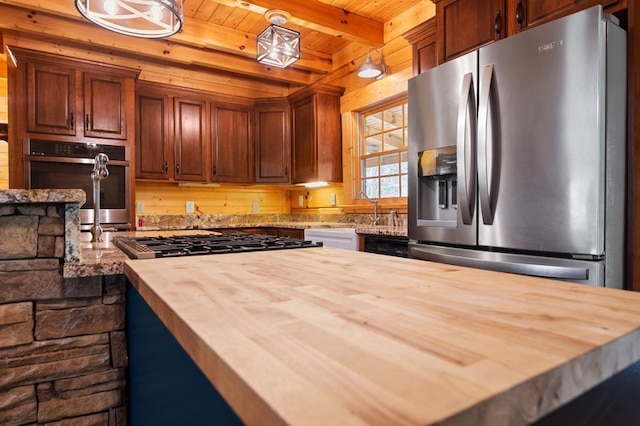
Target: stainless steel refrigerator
[(517, 154)]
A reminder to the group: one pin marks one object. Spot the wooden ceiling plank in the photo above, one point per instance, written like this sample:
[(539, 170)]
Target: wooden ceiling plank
[(321, 17), (16, 19), (195, 33)]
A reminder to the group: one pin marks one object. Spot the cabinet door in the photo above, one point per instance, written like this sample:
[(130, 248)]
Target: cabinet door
[(232, 140), (305, 153), (190, 136), (104, 106), (465, 25), (51, 99), (273, 144), (152, 136), (423, 40), (524, 14)]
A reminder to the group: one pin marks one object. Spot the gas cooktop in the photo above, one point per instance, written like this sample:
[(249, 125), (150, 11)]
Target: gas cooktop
[(200, 244)]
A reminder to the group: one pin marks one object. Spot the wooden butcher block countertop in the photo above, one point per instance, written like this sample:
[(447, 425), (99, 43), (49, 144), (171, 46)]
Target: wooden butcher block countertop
[(323, 336)]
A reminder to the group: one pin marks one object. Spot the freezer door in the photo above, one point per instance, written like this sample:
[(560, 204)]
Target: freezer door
[(442, 167), (541, 138), (572, 270)]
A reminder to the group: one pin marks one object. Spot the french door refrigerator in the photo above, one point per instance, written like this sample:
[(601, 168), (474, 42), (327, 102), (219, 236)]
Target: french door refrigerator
[(517, 154)]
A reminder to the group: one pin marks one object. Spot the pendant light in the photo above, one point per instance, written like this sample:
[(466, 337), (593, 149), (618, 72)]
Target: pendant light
[(276, 45), (372, 70), (138, 18)]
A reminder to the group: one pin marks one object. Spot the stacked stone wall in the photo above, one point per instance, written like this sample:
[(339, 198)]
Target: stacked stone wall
[(62, 341)]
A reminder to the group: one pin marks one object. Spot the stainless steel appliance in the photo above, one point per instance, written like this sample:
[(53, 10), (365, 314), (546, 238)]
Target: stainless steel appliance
[(517, 154), (199, 244), (63, 165)]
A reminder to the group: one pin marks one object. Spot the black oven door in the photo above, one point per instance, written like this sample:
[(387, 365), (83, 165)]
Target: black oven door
[(74, 173)]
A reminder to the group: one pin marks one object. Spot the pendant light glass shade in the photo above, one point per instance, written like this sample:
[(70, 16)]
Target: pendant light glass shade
[(138, 18), (276, 45)]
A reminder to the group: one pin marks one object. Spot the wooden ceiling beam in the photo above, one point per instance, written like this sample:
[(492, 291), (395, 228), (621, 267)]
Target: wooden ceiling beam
[(194, 33), (320, 17), (46, 25)]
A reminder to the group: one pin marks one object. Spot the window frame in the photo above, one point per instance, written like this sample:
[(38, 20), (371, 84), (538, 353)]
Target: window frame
[(361, 142)]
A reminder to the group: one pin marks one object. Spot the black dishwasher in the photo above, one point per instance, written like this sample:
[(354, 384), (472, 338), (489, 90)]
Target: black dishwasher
[(385, 244)]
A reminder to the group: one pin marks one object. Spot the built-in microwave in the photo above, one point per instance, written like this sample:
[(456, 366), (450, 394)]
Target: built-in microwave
[(68, 165)]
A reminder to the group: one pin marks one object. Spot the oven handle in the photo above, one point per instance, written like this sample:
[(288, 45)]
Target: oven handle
[(91, 161)]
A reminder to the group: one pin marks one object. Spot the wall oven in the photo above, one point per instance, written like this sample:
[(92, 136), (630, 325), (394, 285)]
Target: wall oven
[(65, 165)]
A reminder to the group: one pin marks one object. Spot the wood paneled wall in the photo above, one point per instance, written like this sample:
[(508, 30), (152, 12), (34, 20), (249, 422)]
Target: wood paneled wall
[(170, 199)]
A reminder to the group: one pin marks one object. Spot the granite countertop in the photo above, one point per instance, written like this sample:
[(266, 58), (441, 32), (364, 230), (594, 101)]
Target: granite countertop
[(329, 336), (106, 259)]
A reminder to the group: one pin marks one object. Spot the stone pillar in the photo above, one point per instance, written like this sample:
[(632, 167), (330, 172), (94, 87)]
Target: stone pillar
[(63, 352)]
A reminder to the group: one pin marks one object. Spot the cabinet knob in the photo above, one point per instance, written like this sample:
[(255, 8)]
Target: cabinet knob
[(519, 14), (177, 169), (497, 25), (286, 172), (72, 120), (166, 167), (213, 170), (86, 122)]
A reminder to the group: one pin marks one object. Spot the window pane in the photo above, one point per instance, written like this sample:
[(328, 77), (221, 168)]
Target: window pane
[(371, 188), (390, 186), (389, 165), (393, 140), (404, 165), (374, 144), (404, 189), (370, 167), (373, 124), (393, 118)]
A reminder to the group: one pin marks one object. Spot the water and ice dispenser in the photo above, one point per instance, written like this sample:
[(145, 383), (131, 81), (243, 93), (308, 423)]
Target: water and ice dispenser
[(437, 187)]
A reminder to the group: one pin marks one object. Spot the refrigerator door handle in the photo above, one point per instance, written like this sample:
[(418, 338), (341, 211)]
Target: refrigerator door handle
[(483, 143), (465, 141), (574, 273)]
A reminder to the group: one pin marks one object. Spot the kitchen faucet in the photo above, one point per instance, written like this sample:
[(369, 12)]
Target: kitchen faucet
[(99, 172), (374, 218)]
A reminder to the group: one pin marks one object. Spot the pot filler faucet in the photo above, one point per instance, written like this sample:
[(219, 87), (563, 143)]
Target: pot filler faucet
[(374, 218), (99, 172)]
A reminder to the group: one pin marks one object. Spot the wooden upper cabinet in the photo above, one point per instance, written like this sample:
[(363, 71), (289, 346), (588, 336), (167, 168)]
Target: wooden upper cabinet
[(273, 142), (73, 98), (190, 138), (104, 106), (51, 99), (523, 14), (316, 134), (465, 25), (423, 40), (231, 143), (153, 152)]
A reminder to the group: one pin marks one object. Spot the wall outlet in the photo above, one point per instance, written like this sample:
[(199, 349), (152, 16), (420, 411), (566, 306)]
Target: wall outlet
[(139, 207), (190, 207), (255, 207), (332, 199), (300, 200)]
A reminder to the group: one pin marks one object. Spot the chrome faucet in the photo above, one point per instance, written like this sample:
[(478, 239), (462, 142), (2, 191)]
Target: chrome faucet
[(99, 172), (374, 218)]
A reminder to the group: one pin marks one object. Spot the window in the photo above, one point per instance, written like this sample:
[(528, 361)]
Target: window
[(383, 151)]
